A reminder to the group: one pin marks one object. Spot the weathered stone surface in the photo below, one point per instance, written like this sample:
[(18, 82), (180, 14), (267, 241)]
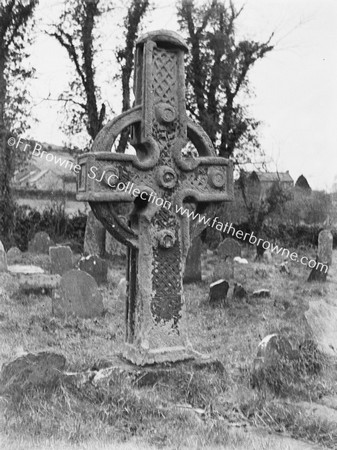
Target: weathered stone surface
[(3, 258), (14, 253), (239, 260), (239, 291), (218, 292), (157, 235), (271, 350), (31, 370), (94, 238), (324, 257), (325, 241), (40, 243), (94, 266), (32, 283), (284, 268), (77, 295), (61, 259), (121, 288), (322, 319), (113, 247), (193, 262), (21, 268), (261, 293), (227, 250)]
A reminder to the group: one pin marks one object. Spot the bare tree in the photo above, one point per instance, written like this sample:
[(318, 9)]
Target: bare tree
[(125, 56)]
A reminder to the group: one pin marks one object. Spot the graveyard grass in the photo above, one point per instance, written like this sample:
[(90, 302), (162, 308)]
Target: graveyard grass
[(195, 410)]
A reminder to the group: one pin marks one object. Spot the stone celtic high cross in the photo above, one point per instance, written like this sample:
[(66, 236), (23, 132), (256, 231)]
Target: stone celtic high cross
[(157, 236)]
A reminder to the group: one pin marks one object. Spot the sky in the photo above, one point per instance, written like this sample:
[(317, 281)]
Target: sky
[(294, 86)]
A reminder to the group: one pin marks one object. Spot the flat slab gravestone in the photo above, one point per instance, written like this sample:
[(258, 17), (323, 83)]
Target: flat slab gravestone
[(95, 235), (61, 259), (3, 258), (324, 257), (40, 243), (227, 250), (157, 181), (78, 295)]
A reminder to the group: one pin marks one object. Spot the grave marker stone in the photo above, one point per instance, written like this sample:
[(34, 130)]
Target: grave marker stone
[(3, 258), (156, 180), (193, 262), (94, 237), (77, 295), (324, 257), (14, 253), (227, 250), (61, 259), (40, 243), (94, 266)]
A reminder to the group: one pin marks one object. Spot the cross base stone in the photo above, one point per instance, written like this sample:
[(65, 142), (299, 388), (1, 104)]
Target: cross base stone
[(143, 357)]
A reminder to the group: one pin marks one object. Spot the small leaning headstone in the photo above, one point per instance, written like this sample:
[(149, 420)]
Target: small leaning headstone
[(78, 295), (61, 259), (227, 251), (324, 257), (218, 292), (3, 258), (95, 266), (40, 243)]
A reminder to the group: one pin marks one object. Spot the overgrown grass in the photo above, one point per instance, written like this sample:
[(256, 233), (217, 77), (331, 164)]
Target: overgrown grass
[(192, 409)]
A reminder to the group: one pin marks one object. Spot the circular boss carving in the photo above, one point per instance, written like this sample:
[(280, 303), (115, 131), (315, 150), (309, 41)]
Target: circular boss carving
[(166, 238), (165, 113), (166, 177), (111, 176), (216, 177)]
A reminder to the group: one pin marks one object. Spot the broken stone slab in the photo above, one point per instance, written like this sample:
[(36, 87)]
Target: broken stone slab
[(321, 318), (240, 260), (261, 293), (94, 266), (270, 351), (121, 288), (38, 282), (284, 268), (3, 258), (77, 295), (218, 292), (25, 269), (42, 369), (148, 375), (239, 291)]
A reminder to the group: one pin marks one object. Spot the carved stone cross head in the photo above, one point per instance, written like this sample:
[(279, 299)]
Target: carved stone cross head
[(157, 180)]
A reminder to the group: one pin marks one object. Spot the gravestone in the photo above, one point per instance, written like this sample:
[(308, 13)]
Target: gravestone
[(324, 257), (227, 251), (40, 243), (113, 247), (78, 295), (218, 293), (14, 253), (94, 266), (156, 180), (193, 262), (94, 237), (3, 258), (61, 259)]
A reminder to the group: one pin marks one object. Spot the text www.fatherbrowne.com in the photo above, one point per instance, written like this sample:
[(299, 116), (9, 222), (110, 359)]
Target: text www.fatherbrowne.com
[(151, 197)]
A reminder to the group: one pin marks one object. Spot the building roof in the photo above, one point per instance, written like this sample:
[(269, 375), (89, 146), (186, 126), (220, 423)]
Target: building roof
[(283, 177)]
